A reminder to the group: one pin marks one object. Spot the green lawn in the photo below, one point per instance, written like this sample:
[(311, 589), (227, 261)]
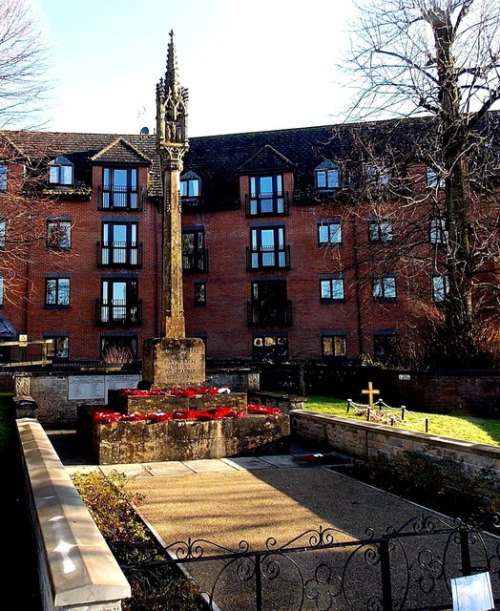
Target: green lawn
[(466, 428)]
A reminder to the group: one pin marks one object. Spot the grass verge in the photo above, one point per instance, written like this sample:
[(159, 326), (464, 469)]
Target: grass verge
[(465, 428)]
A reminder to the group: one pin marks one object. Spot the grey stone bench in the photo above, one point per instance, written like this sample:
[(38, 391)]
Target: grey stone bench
[(76, 567), (284, 401)]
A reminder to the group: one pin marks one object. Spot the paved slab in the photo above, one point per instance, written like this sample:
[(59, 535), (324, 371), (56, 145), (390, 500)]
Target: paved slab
[(214, 465), (170, 468)]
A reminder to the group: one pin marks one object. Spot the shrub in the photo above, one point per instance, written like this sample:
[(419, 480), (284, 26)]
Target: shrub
[(157, 588)]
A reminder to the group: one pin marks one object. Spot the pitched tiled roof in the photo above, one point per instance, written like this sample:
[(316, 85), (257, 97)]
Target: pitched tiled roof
[(220, 160), (79, 148)]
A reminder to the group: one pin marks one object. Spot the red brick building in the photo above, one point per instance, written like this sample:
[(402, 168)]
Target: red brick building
[(321, 242), (282, 244)]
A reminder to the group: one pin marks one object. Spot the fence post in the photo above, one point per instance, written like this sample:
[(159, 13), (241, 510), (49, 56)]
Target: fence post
[(258, 583), (349, 401), (465, 552), (403, 411), (385, 569)]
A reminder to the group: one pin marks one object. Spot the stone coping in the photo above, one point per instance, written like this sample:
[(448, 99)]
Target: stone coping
[(370, 427), (82, 570)]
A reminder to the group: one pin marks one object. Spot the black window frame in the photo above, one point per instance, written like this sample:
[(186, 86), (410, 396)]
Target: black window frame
[(4, 177), (377, 231), (54, 350), (200, 293), (126, 310), (194, 252), (114, 253), (3, 233), (276, 339), (439, 294), (56, 167), (330, 224), (58, 292), (257, 197), (438, 234), (332, 336), (331, 280), (120, 197), (382, 281), (262, 257), (63, 228), (328, 170)]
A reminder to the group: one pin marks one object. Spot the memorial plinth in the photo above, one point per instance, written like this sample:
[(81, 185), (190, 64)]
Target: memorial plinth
[(173, 363)]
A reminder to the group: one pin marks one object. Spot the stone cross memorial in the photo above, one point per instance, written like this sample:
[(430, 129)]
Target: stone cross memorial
[(172, 360), (370, 391)]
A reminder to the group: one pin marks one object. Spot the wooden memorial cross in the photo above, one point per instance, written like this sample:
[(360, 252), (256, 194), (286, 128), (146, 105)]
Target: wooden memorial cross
[(370, 392)]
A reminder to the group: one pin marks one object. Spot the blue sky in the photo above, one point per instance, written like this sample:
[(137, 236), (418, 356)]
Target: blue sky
[(248, 65)]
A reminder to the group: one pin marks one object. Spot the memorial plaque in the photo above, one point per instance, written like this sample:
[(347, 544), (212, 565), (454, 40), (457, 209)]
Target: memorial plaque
[(86, 387), (120, 381)]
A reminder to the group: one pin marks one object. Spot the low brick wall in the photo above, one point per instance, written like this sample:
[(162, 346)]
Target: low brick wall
[(76, 568), (363, 439), (132, 442)]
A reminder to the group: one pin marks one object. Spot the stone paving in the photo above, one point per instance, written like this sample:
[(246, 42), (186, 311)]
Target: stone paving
[(253, 498)]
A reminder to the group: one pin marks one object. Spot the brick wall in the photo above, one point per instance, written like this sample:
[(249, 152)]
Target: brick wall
[(452, 392)]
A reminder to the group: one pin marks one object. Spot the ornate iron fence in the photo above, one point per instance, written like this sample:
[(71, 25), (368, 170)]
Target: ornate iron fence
[(405, 569)]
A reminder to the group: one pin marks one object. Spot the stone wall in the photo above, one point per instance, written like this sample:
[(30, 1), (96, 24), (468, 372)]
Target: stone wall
[(137, 404), (363, 439), (131, 442), (82, 574), (59, 396)]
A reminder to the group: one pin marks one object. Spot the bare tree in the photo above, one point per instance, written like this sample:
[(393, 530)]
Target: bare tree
[(22, 65), (440, 60)]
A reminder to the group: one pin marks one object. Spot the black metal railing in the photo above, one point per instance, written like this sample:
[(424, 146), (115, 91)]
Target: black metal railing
[(268, 258), (196, 261), (409, 568), (121, 198), (279, 314), (267, 204), (119, 254), (118, 311)]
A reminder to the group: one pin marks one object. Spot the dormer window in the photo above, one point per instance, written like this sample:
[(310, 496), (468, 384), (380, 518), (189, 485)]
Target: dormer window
[(266, 196), (327, 175), (190, 185), (61, 171)]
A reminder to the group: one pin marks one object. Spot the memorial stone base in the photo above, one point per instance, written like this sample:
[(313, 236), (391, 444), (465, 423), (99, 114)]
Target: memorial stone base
[(173, 363)]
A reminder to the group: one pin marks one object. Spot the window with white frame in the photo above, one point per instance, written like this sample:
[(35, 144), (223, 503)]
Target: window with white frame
[(327, 175), (61, 171), (440, 288), (384, 288), (330, 232), (331, 289), (380, 230)]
